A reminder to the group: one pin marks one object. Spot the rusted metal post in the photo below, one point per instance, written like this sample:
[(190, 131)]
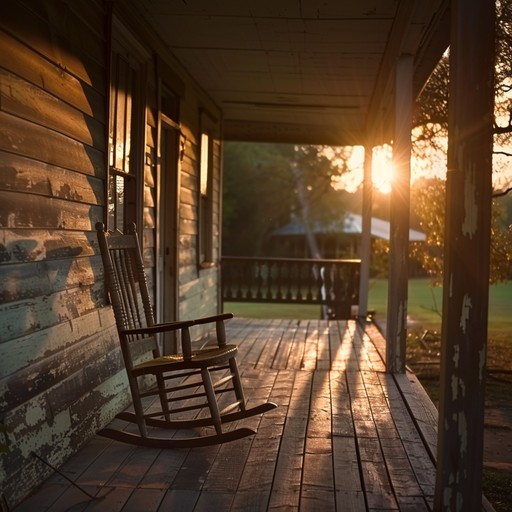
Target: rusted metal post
[(366, 241), (467, 251), (396, 334)]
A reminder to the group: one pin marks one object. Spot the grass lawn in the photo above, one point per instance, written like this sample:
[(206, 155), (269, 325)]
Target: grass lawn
[(424, 306)]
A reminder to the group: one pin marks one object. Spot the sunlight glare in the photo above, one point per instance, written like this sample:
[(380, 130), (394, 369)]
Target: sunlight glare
[(382, 170)]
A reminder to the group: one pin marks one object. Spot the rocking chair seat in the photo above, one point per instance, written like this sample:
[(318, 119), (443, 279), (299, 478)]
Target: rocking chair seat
[(199, 359)]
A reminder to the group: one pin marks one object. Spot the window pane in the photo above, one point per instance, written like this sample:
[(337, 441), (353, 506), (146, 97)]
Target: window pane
[(204, 164)]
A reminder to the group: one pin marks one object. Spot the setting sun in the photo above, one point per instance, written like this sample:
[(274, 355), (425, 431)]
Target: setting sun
[(382, 170)]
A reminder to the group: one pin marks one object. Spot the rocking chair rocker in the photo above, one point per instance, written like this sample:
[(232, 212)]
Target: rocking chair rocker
[(181, 395)]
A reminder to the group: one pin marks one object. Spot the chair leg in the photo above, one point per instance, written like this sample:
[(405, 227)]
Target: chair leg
[(212, 399), (137, 405), (163, 396), (237, 383)]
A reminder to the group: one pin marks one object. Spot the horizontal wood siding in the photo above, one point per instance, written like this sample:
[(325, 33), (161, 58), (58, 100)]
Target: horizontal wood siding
[(61, 374)]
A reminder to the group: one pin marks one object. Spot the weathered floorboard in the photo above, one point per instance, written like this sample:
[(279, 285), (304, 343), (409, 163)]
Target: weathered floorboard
[(343, 438)]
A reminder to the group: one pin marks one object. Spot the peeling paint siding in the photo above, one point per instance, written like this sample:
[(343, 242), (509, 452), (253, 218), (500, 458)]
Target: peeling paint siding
[(466, 311), (19, 353), (60, 364)]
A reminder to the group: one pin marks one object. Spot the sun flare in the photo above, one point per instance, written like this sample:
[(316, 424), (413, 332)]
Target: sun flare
[(382, 169)]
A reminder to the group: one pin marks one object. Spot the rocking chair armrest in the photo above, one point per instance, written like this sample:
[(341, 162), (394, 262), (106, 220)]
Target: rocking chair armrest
[(170, 326), (215, 318)]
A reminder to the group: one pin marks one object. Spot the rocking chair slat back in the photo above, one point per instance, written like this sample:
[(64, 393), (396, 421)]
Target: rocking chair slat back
[(126, 281)]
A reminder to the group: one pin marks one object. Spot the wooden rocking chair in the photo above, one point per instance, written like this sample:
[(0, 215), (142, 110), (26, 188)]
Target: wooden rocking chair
[(184, 384)]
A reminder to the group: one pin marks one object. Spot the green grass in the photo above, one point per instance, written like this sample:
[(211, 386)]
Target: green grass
[(262, 310), (424, 306)]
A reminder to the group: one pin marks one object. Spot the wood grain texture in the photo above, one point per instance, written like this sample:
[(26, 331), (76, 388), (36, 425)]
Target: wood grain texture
[(340, 439)]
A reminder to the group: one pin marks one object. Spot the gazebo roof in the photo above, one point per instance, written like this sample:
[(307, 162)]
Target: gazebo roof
[(351, 224)]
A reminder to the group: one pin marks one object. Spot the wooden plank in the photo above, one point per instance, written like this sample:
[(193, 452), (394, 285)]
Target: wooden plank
[(22, 99), (337, 332), (144, 499), (26, 245), (22, 210), (32, 67), (378, 489), (66, 369), (287, 479), (297, 350), (69, 44), (18, 353), (26, 316), (415, 448), (324, 353), (311, 348), (256, 481), (132, 470), (266, 344), (32, 280), (285, 346), (195, 469), (48, 146), (423, 411), (317, 490), (75, 499), (44, 497), (163, 470), (106, 464), (22, 174), (226, 471), (209, 501), (112, 499), (182, 500)]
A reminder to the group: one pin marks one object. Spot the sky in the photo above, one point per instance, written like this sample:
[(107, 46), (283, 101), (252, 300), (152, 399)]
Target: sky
[(432, 167)]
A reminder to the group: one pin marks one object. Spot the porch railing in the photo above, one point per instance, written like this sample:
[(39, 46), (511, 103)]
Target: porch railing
[(331, 283)]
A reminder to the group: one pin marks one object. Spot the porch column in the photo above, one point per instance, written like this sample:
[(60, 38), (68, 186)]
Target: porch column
[(466, 254), (396, 334), (366, 241)]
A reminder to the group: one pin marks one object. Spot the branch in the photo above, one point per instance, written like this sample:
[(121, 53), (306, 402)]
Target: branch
[(504, 153), (502, 193)]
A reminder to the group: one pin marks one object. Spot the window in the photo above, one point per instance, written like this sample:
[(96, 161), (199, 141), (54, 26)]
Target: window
[(205, 228), (126, 124)]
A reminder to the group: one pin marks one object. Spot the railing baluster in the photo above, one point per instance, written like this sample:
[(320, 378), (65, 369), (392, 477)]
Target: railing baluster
[(333, 284), (270, 282)]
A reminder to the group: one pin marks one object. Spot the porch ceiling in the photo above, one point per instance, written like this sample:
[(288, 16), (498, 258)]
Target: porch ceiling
[(301, 71)]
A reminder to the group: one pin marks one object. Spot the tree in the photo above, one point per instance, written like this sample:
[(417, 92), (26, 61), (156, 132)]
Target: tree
[(428, 198), (431, 112), (430, 133), (265, 185)]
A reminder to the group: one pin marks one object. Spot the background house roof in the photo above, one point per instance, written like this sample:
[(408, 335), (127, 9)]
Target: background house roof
[(302, 71), (351, 224)]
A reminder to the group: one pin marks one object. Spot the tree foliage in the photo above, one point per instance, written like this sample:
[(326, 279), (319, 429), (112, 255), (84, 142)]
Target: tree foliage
[(261, 190), (431, 129), (431, 112), (428, 199)]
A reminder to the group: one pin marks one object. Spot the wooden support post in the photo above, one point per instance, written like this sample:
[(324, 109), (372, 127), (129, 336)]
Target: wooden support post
[(467, 251), (366, 240), (396, 334)]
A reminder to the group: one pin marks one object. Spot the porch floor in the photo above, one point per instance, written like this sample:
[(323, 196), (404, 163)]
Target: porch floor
[(345, 436)]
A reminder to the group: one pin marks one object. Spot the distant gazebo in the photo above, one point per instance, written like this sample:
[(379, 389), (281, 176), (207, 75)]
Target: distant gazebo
[(336, 239)]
